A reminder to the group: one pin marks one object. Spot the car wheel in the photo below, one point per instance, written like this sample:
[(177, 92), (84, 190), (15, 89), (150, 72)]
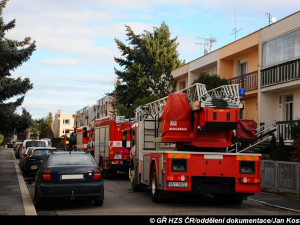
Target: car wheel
[(98, 201), (37, 201)]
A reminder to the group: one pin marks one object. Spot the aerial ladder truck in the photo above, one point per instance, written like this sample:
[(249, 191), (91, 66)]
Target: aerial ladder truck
[(183, 143)]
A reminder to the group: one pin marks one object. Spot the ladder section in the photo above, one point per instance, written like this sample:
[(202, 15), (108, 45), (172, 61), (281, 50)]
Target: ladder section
[(226, 96)]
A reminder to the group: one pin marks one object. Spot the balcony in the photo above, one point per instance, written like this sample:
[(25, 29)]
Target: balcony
[(286, 130), (247, 81), (280, 73)]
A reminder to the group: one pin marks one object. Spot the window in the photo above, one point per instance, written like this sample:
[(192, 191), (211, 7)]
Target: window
[(182, 85), (281, 49), (242, 67), (289, 107), (66, 121)]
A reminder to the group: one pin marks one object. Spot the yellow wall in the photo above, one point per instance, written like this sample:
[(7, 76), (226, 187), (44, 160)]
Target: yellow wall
[(229, 55)]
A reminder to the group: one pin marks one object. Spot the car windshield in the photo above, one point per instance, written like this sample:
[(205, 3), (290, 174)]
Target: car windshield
[(41, 152), (71, 159), (36, 144)]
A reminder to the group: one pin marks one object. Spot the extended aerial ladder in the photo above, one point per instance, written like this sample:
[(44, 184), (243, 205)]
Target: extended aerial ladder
[(197, 96)]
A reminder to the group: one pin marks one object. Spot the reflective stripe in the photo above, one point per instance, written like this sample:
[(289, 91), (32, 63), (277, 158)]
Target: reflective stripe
[(179, 156), (247, 157)]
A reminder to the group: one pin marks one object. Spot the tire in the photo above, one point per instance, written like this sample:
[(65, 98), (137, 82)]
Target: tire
[(98, 201), (155, 193), (38, 202)]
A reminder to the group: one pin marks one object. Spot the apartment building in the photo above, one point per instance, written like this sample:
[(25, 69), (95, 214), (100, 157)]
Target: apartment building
[(89, 113), (280, 74), (63, 122), (267, 64), (85, 115), (239, 63), (189, 72)]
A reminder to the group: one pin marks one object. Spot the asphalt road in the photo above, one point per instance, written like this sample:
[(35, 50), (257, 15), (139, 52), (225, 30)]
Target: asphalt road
[(121, 200)]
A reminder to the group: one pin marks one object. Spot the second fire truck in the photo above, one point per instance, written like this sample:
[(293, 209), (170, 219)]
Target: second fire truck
[(105, 144), (181, 143)]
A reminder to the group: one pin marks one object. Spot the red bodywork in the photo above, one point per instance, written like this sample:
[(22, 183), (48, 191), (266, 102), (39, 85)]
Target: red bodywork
[(82, 137), (202, 165), (109, 147)]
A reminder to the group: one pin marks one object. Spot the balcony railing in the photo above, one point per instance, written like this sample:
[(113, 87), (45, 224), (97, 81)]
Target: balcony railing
[(248, 81), (285, 129), (280, 73)]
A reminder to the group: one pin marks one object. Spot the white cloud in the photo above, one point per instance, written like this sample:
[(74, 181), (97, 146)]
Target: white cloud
[(60, 62)]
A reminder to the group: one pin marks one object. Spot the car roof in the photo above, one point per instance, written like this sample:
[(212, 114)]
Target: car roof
[(43, 148), (70, 152)]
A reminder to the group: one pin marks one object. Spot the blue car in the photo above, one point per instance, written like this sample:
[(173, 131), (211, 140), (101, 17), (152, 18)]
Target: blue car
[(69, 175)]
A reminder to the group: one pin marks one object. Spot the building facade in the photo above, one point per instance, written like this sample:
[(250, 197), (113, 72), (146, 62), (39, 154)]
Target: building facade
[(280, 74), (63, 122)]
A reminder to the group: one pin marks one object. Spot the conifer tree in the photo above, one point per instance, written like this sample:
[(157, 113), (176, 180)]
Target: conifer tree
[(147, 62), (13, 54)]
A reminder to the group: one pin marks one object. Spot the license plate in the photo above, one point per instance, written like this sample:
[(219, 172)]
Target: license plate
[(177, 184), (72, 177), (118, 156), (34, 167)]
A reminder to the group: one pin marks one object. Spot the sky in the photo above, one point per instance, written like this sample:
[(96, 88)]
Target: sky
[(73, 65)]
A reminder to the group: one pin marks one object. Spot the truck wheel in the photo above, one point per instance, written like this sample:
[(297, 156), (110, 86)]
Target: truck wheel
[(155, 193), (135, 187)]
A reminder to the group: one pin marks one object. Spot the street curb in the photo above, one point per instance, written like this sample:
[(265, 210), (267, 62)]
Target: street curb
[(276, 206), (29, 208)]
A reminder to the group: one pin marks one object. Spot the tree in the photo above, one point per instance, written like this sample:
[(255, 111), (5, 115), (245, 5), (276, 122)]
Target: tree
[(12, 55), (211, 81), (147, 60), (43, 128)]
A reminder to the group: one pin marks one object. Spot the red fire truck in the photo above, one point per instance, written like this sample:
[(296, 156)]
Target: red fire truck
[(181, 143), (82, 136), (106, 144), (69, 139)]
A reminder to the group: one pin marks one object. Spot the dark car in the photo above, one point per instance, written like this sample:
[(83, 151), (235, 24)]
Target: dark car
[(34, 159), (18, 149), (69, 175)]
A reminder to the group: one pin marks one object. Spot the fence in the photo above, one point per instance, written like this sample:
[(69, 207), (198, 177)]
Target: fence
[(280, 176)]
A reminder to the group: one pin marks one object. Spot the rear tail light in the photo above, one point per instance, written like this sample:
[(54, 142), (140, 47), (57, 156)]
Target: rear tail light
[(97, 174), (176, 178), (47, 175), (248, 180)]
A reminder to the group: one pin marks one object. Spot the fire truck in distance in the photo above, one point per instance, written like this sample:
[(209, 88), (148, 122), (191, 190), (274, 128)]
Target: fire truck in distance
[(69, 139), (182, 143), (105, 144), (82, 137)]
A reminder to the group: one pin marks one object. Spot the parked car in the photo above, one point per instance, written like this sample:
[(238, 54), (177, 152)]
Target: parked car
[(18, 149), (33, 143), (23, 158), (69, 175), (48, 140), (34, 159)]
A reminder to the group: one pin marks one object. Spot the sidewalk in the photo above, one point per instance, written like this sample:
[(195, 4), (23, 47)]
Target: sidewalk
[(14, 196)]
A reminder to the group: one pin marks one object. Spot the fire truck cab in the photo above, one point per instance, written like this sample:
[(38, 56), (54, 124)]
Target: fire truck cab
[(182, 143), (106, 144)]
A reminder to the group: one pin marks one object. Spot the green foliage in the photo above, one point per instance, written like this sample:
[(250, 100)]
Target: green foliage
[(144, 60), (43, 128), (129, 112), (211, 81), (12, 55), (1, 138), (281, 152)]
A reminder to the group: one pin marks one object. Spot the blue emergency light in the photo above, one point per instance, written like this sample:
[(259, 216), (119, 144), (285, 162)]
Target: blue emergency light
[(242, 92)]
